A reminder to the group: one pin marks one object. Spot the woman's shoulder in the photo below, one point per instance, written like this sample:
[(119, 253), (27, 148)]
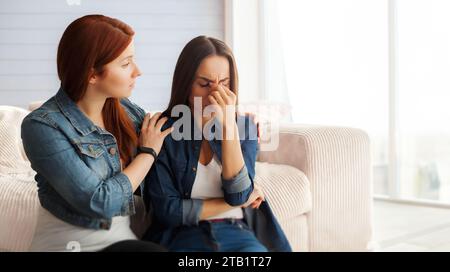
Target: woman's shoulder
[(47, 113), (135, 112)]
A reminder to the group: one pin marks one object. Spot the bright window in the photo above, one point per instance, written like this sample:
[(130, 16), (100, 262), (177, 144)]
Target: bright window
[(336, 59)]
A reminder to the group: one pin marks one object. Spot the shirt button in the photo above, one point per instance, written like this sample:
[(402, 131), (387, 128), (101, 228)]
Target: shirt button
[(112, 151), (194, 169)]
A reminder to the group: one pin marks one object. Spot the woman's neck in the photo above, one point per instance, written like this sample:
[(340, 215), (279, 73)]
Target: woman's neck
[(92, 107)]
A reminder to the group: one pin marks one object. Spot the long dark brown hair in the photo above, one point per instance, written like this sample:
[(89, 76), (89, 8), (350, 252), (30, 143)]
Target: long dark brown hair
[(87, 45), (188, 62)]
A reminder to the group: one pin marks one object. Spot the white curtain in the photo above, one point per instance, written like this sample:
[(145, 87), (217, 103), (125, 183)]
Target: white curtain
[(274, 91)]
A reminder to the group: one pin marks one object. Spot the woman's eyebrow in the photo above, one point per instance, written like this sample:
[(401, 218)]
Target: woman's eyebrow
[(130, 56), (210, 80)]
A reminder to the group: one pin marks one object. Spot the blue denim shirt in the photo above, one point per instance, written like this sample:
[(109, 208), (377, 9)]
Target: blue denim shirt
[(168, 186), (77, 163)]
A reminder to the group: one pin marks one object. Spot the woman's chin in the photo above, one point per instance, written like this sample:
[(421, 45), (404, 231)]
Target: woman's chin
[(127, 93)]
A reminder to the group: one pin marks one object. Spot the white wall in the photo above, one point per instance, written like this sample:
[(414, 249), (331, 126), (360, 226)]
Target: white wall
[(30, 32)]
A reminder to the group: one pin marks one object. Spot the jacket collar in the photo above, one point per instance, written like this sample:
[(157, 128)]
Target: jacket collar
[(78, 120)]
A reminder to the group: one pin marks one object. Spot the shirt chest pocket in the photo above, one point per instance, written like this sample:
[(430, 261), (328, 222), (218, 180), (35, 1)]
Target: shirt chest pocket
[(93, 154), (92, 150)]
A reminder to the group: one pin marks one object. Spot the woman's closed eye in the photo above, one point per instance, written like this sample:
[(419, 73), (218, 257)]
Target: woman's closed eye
[(226, 84), (205, 85), (127, 62), (208, 84)]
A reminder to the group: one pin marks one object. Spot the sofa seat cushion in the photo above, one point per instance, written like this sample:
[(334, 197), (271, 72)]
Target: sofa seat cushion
[(286, 188), (19, 205)]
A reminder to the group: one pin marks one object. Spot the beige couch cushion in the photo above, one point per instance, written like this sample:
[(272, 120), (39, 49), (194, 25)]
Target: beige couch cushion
[(12, 156), (18, 191), (286, 188)]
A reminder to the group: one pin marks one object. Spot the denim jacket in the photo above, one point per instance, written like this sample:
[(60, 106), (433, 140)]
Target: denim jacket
[(168, 186), (77, 163)]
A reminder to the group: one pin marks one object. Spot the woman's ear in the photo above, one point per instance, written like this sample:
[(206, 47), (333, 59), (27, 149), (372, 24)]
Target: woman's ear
[(93, 77)]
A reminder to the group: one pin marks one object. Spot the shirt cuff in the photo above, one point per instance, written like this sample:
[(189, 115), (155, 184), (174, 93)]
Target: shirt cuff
[(238, 183), (128, 203), (191, 211)]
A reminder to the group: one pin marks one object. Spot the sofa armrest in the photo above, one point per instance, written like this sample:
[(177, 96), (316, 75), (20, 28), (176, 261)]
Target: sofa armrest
[(337, 163)]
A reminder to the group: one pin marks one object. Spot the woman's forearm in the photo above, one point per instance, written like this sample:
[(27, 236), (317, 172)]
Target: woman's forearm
[(213, 207), (138, 169), (232, 159)]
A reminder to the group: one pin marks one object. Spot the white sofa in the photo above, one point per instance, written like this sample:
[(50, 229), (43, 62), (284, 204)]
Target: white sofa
[(318, 182)]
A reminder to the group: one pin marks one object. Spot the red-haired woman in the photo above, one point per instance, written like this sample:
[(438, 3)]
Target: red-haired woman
[(83, 142)]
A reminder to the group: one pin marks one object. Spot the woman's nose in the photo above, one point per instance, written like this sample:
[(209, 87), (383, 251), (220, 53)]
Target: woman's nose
[(137, 71), (214, 84)]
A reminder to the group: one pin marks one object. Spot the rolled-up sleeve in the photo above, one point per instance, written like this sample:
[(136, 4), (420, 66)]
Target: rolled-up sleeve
[(54, 158), (238, 183), (237, 189), (191, 211)]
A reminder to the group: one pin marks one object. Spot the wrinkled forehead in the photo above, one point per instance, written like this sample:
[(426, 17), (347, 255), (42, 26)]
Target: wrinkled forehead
[(214, 68)]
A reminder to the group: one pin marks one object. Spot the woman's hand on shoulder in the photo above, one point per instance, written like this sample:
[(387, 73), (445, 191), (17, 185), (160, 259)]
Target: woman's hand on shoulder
[(151, 135)]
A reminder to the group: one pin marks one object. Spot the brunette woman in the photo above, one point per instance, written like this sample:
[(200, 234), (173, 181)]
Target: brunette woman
[(201, 188)]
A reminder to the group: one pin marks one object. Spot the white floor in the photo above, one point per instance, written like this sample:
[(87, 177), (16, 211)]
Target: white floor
[(401, 227)]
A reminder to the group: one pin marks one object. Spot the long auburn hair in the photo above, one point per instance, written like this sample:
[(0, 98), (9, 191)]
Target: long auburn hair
[(87, 45), (193, 53)]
